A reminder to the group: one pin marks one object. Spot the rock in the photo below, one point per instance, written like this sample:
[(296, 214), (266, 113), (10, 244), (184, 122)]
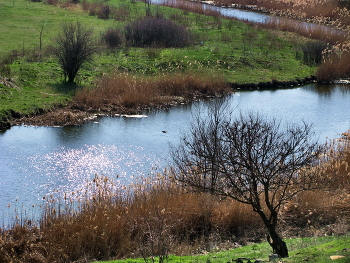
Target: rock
[(4, 125), (273, 257), (336, 257), (342, 81)]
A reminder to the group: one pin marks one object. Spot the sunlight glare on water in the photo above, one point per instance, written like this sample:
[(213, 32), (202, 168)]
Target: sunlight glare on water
[(65, 170)]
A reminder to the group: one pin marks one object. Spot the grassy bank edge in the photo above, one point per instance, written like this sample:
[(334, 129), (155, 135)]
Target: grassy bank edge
[(314, 249)]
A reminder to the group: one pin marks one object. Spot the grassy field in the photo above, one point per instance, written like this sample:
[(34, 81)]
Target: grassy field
[(316, 250), (238, 52)]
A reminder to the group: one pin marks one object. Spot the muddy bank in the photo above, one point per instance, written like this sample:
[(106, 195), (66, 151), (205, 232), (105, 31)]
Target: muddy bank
[(274, 84), (73, 114)]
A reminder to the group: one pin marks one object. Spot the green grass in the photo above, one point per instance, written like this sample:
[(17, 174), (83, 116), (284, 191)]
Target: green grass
[(317, 250), (239, 52)]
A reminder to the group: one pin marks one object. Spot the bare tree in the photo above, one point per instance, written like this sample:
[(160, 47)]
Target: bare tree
[(74, 46), (249, 158)]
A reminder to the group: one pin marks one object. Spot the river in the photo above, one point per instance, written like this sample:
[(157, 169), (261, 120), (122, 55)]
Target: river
[(37, 162)]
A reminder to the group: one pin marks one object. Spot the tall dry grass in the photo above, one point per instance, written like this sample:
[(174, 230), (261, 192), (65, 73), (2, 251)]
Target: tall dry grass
[(317, 32), (325, 211), (194, 7), (123, 91), (335, 64), (150, 219)]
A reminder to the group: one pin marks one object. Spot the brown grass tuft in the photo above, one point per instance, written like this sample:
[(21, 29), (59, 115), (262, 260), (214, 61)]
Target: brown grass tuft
[(335, 64), (122, 91)]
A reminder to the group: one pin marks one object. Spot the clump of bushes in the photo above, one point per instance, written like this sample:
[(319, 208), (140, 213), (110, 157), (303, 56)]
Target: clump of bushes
[(113, 38), (51, 2), (104, 12), (313, 52), (157, 32), (100, 10)]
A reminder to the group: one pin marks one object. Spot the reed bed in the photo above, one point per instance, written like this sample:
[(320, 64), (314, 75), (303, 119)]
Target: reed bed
[(156, 216), (335, 64), (192, 7), (317, 32), (126, 92)]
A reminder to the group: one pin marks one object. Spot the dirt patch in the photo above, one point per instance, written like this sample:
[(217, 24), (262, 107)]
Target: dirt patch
[(77, 115), (8, 82), (58, 117)]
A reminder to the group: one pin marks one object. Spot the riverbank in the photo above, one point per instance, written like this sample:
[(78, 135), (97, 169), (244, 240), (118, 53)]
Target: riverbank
[(75, 113)]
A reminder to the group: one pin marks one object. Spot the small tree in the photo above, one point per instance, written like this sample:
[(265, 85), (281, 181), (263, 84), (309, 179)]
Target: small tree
[(74, 46), (249, 158), (157, 32)]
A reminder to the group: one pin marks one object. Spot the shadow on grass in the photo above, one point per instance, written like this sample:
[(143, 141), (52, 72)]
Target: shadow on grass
[(68, 88)]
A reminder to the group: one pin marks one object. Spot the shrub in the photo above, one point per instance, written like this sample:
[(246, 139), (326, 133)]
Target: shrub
[(103, 12), (74, 46), (312, 51), (93, 8), (52, 2), (156, 31), (121, 13), (113, 38)]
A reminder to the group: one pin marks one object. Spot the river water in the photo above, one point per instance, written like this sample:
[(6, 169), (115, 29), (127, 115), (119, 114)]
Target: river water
[(42, 161)]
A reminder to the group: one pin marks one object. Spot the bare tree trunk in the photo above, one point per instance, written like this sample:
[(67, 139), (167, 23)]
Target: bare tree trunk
[(278, 245)]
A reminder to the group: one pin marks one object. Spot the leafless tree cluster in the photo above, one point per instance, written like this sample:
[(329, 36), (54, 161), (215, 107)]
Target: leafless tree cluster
[(74, 46), (250, 158)]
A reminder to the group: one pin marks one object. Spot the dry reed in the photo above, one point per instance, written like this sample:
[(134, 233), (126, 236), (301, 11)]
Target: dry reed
[(335, 64), (126, 92)]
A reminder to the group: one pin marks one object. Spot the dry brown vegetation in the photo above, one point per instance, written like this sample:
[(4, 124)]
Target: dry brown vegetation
[(125, 92), (317, 32), (335, 63), (155, 217)]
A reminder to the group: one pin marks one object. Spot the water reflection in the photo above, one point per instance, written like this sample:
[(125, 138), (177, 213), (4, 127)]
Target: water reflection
[(329, 89)]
